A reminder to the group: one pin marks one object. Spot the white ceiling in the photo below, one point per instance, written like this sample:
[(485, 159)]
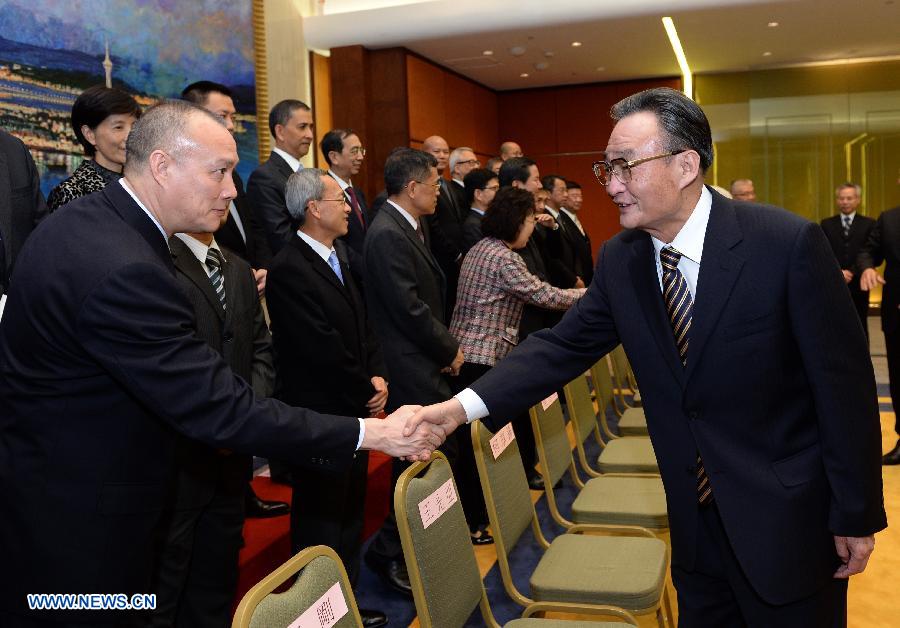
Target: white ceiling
[(621, 39)]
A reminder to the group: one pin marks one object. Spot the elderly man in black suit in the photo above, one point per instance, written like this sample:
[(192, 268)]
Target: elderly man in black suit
[(344, 154), (197, 574), (101, 370), (581, 241), (328, 359), (762, 410), (291, 125), (22, 205), (405, 291), (883, 245)]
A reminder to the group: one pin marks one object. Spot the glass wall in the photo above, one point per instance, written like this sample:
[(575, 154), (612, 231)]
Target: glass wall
[(801, 132)]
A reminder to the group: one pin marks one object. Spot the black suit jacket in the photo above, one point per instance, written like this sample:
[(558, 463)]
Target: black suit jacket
[(239, 334), (883, 245), (254, 249), (265, 193), (100, 369), (356, 231), (582, 257), (471, 230), (22, 204), (445, 226), (326, 351), (778, 399), (405, 294)]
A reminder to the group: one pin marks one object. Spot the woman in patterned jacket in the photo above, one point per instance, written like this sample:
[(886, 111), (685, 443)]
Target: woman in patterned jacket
[(101, 119), (494, 286)]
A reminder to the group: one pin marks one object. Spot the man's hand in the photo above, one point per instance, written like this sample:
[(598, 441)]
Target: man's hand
[(390, 435), (260, 276), (848, 275), (869, 279), (854, 552), (457, 363), (376, 404), (579, 282), (446, 416), (544, 219)]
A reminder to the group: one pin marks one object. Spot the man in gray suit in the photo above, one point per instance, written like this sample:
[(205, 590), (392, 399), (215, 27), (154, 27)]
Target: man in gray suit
[(405, 291), (22, 205)]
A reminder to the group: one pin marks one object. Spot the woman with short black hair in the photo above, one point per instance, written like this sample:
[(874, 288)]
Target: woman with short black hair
[(101, 118)]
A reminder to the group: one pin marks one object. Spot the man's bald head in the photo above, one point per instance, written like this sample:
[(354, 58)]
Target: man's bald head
[(508, 150), (166, 127), (437, 146)]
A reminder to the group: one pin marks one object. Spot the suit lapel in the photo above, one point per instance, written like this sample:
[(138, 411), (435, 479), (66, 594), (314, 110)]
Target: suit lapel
[(191, 267), (138, 220), (719, 270), (645, 280), (231, 288), (6, 217), (413, 237), (321, 267)]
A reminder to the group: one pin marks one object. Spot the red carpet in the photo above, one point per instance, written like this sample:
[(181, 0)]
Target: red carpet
[(267, 542)]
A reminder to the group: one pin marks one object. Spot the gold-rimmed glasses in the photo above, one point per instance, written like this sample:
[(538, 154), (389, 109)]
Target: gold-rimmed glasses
[(621, 168)]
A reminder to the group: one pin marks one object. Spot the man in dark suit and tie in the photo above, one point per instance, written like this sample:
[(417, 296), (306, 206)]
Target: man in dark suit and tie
[(241, 234), (762, 410), (847, 232), (291, 125), (445, 224), (481, 185), (883, 245), (581, 241), (328, 359), (405, 291), (565, 264), (197, 574), (22, 205), (344, 154), (101, 371)]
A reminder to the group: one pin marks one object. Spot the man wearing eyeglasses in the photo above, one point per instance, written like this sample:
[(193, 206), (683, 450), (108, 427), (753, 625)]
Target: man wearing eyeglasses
[(756, 380), (344, 154), (481, 186), (327, 356)]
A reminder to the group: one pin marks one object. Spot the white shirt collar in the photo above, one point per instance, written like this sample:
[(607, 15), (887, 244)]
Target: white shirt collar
[(199, 249), (344, 184), (460, 183), (292, 161), (552, 212), (321, 250), (852, 215), (570, 214), (131, 193), (689, 241), (412, 221), (480, 212)]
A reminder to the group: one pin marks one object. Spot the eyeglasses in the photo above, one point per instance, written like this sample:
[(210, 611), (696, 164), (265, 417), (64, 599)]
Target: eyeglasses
[(468, 162), (436, 186), (358, 150), (334, 200), (621, 168), (491, 187)]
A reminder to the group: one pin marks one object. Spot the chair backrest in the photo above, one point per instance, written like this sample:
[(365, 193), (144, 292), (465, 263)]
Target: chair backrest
[(505, 488), (439, 558), (624, 374), (552, 439), (321, 588), (603, 385), (581, 407)]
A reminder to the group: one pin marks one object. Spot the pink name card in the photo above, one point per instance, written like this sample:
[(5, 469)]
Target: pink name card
[(436, 504), (326, 611), (501, 440), (546, 403)]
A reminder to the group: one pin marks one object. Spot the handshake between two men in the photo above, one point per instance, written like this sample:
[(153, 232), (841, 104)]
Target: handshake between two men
[(413, 432)]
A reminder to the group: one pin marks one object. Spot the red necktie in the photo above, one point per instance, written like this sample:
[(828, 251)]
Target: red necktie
[(354, 204)]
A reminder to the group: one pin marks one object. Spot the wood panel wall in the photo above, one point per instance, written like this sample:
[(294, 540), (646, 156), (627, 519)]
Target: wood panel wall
[(564, 129)]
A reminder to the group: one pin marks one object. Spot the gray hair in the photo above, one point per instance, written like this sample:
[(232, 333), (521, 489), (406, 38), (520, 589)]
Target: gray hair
[(849, 184), (456, 155), (302, 187), (163, 127)]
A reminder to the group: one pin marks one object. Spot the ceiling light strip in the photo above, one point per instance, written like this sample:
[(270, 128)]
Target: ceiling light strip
[(687, 77)]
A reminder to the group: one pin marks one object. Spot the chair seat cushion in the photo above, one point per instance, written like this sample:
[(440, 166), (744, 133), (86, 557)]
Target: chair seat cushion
[(633, 422), (628, 455), (538, 622), (623, 571), (622, 500)]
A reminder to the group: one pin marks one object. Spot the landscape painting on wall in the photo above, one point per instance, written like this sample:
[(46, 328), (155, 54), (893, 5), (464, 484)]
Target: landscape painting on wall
[(50, 51)]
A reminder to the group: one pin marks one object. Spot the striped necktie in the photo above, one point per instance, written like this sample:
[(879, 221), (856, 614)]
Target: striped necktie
[(214, 263), (680, 306), (846, 226)]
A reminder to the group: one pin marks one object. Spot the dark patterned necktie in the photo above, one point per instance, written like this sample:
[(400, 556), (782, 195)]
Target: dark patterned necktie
[(846, 226), (680, 306), (214, 263), (354, 205)]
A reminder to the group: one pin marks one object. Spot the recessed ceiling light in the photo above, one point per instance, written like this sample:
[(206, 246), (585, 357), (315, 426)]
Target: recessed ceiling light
[(575, 44), (524, 75), (487, 53), (772, 24), (767, 54), (601, 69), (549, 53), (517, 51), (541, 65)]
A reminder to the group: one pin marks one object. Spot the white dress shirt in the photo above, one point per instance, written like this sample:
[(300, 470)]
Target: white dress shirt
[(292, 161), (688, 242), (200, 250), (321, 250), (131, 193), (409, 218)]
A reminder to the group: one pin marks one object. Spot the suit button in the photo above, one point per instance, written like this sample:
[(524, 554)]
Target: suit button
[(228, 337)]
